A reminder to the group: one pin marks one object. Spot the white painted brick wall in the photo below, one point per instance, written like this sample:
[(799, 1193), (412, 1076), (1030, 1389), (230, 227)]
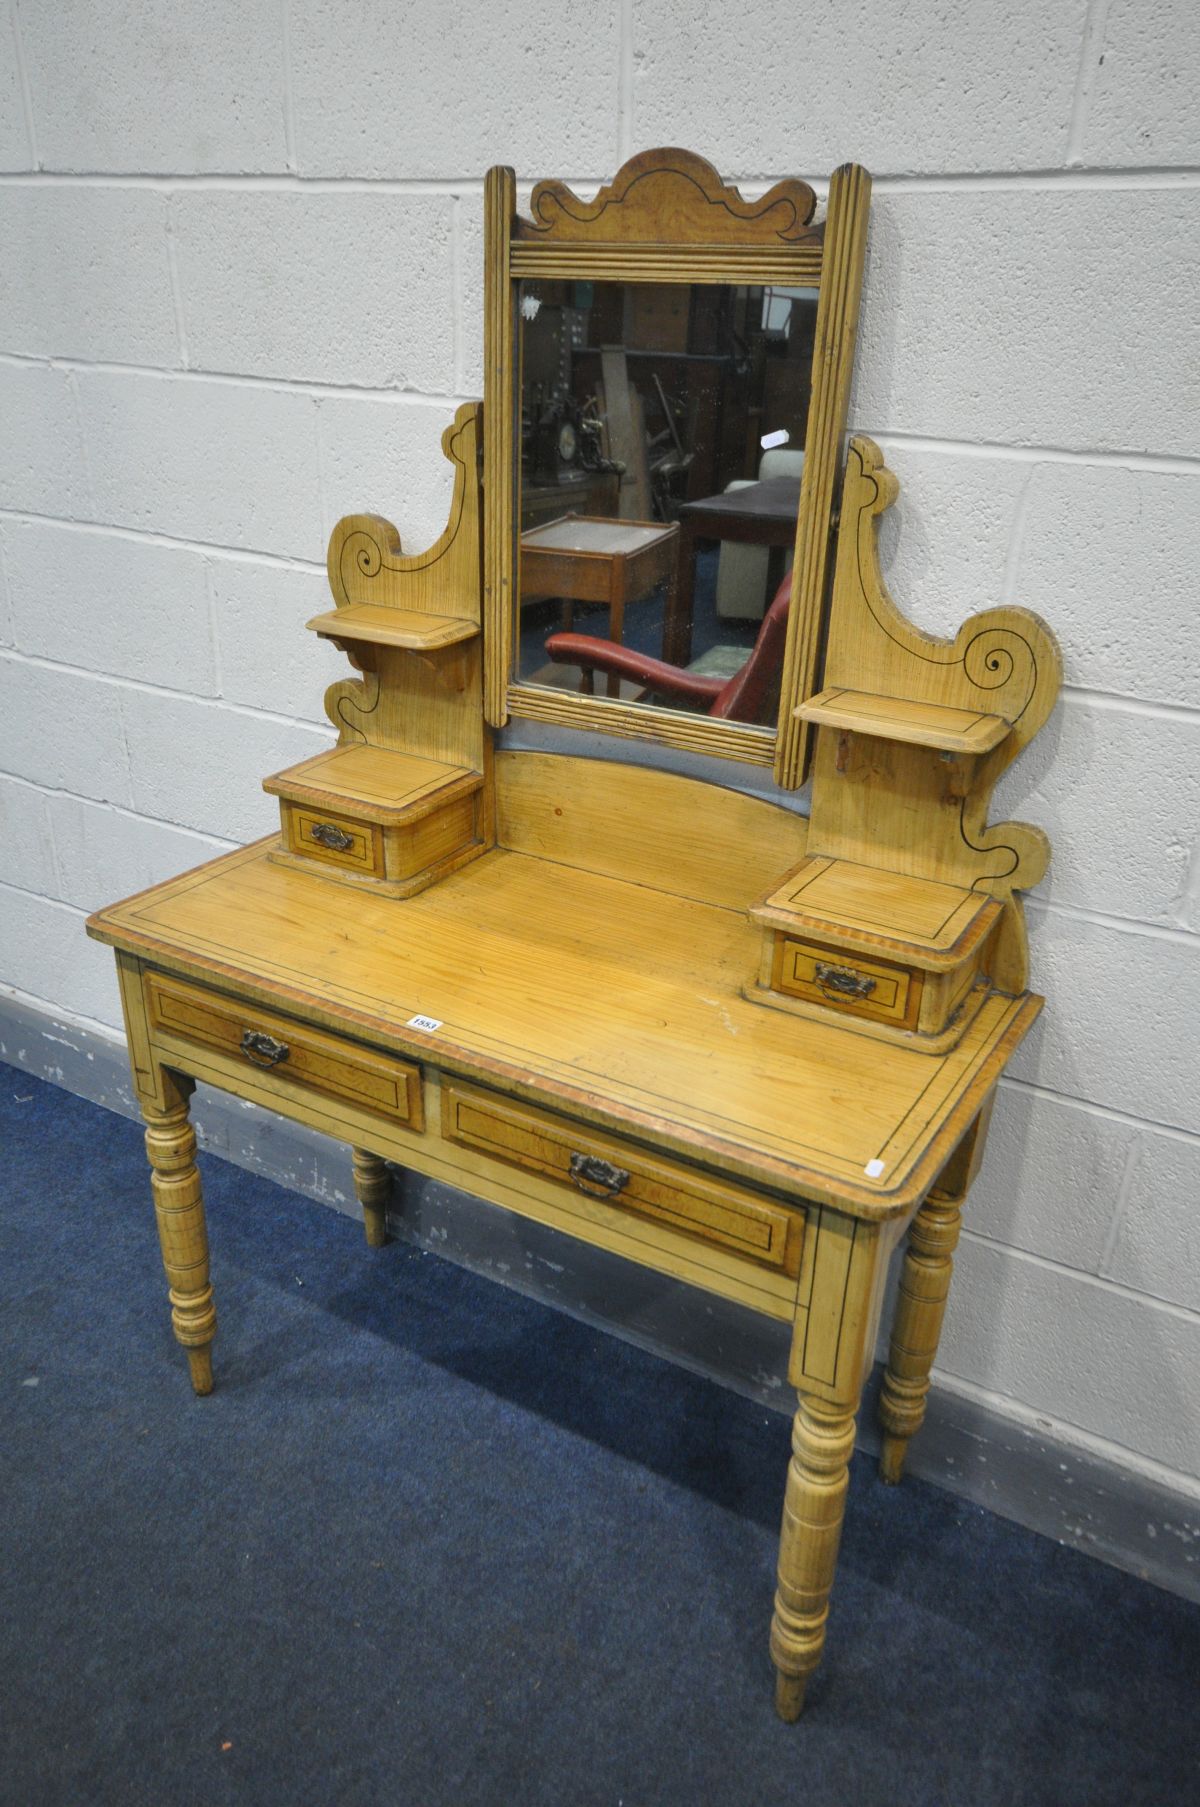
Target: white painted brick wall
[(912, 86), (14, 138), (155, 85), (433, 93), (42, 468), (62, 729), (1118, 792), (259, 616), (1078, 1349), (1155, 1246), (240, 295), (26, 849), (1034, 317), (86, 273), (1119, 551), (45, 953), (108, 603), (326, 288), (1143, 103), (6, 626), (225, 463)]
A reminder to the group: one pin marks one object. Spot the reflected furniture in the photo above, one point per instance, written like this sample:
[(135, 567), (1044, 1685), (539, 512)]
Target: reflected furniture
[(744, 696), (760, 514), (596, 494), (742, 570), (738, 1046), (581, 558)]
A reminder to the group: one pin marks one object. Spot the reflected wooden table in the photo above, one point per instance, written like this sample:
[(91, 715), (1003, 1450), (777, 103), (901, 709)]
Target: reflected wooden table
[(761, 514), (587, 558)]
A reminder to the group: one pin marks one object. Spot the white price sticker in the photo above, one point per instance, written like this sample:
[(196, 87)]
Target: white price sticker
[(428, 1023)]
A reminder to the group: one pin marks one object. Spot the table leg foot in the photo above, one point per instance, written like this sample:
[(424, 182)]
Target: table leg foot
[(201, 1368), (789, 1696), (372, 1188), (892, 1452)]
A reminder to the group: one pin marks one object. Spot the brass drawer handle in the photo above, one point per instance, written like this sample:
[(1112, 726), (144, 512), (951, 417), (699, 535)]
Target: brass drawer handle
[(330, 836), (599, 1179), (262, 1049), (843, 981)]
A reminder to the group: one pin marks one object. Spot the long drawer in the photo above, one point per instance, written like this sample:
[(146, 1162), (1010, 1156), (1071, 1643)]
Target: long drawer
[(301, 1055), (623, 1176)]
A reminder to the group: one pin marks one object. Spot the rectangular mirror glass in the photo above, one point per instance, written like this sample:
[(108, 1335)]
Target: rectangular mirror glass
[(653, 526)]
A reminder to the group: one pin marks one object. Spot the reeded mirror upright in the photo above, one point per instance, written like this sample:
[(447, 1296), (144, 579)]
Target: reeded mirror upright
[(667, 373)]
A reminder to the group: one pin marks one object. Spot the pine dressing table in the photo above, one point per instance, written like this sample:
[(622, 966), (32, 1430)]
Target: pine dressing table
[(745, 1048)]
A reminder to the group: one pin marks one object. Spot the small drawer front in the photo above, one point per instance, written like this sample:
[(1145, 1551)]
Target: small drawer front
[(294, 1052), (828, 975), (336, 840), (624, 1178)]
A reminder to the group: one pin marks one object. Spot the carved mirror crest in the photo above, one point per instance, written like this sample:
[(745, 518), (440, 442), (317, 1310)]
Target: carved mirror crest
[(667, 371)]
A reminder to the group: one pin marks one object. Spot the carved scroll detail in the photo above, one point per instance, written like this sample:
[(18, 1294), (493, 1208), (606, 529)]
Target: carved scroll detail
[(350, 700), (1004, 661), (899, 804), (365, 561), (671, 195)]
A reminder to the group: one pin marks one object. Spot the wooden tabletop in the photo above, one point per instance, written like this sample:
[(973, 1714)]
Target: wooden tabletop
[(613, 1001), (774, 500), (588, 533)]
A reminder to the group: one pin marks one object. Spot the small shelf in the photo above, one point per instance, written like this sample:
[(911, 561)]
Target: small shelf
[(923, 922), (405, 628), (374, 784), (894, 718)]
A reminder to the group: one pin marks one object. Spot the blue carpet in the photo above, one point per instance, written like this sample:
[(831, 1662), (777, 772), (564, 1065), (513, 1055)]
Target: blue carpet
[(431, 1542)]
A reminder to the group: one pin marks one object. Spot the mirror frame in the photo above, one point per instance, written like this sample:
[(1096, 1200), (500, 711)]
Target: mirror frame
[(667, 216)]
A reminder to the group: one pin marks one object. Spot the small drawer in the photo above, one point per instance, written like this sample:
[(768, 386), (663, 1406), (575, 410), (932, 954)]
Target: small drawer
[(624, 1178), (292, 1051), (335, 840), (828, 975)]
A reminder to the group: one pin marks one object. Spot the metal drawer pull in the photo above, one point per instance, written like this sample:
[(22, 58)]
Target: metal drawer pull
[(329, 836), (262, 1049), (843, 981), (599, 1179)]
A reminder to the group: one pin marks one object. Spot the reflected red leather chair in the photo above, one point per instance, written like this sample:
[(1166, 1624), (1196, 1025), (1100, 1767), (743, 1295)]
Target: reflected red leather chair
[(748, 696)]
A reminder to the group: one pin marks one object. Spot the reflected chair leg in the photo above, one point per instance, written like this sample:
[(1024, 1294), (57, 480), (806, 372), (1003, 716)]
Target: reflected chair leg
[(373, 1189), (920, 1309), (813, 1508), (179, 1208)]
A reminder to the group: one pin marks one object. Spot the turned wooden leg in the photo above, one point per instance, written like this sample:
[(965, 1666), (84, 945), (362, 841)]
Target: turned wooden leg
[(179, 1207), (920, 1308), (818, 1477), (373, 1187)]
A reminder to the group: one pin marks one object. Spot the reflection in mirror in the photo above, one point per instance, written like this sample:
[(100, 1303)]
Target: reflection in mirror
[(662, 434)]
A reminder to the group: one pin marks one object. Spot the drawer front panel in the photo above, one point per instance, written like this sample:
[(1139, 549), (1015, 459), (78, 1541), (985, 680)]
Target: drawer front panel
[(624, 1178), (293, 1051), (334, 839), (828, 975)]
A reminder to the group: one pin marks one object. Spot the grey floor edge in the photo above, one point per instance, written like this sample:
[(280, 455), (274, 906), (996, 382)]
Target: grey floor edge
[(1074, 1496)]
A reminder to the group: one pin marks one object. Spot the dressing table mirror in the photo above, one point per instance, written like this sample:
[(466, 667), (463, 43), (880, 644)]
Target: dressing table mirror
[(668, 369), (746, 1049)]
